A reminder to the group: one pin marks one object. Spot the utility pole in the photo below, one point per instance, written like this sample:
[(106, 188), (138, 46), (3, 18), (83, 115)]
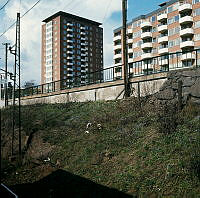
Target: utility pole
[(16, 53), (125, 51), (6, 74)]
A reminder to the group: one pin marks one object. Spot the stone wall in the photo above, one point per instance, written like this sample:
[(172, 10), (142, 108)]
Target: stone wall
[(190, 87)]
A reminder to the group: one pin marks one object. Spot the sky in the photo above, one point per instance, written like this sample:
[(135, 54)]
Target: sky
[(108, 12)]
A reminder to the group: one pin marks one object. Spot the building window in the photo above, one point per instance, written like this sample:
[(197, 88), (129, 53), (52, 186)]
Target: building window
[(197, 24), (196, 1), (153, 18), (154, 29), (176, 18), (197, 37), (197, 12), (170, 9)]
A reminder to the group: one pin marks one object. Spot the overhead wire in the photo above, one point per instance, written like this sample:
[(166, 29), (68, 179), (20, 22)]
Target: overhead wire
[(4, 5), (20, 17), (107, 11), (68, 4), (78, 1)]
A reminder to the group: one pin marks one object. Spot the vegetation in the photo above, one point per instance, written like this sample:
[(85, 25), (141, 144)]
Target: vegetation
[(141, 148)]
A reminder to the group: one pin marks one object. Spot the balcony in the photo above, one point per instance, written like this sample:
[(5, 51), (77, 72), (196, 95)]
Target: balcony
[(70, 46), (69, 63), (163, 39), (83, 44), (130, 31), (69, 29), (185, 7), (130, 40), (162, 17), (117, 47), (130, 50), (82, 59), (69, 52), (163, 51), (146, 45), (116, 38), (145, 24), (186, 32), (82, 28), (69, 24), (162, 28), (69, 41), (69, 69), (130, 60), (69, 35), (146, 56), (69, 58), (163, 62), (145, 35), (188, 56), (116, 56), (185, 20), (186, 44), (83, 33), (69, 75)]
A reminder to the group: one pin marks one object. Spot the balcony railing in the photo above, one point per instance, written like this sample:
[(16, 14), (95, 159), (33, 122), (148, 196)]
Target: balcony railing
[(158, 64)]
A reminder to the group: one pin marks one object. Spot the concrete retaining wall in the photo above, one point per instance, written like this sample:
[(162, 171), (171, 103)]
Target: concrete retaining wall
[(141, 85), (104, 91)]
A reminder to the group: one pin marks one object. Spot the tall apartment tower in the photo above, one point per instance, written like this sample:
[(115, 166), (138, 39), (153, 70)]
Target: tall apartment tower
[(174, 27), (72, 46)]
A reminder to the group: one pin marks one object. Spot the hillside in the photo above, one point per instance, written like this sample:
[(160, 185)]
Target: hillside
[(141, 148)]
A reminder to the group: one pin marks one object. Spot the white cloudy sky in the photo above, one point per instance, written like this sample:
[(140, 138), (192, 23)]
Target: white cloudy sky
[(100, 11), (107, 12)]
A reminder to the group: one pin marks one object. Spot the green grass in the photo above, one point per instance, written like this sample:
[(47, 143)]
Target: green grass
[(131, 152)]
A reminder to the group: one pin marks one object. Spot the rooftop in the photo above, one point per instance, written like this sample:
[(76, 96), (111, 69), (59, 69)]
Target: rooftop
[(71, 16), (163, 6)]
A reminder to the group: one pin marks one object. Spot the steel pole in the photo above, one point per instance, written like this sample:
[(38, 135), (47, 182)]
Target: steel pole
[(125, 54)]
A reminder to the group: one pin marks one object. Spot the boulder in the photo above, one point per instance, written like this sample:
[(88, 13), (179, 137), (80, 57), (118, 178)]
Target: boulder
[(191, 73), (195, 89), (188, 81), (167, 94)]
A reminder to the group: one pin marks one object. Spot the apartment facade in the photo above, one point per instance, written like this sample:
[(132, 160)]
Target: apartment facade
[(72, 46), (174, 27)]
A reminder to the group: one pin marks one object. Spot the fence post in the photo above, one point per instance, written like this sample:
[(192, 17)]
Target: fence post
[(196, 59)]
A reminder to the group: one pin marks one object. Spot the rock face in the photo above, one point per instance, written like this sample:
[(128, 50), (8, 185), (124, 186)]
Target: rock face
[(190, 88)]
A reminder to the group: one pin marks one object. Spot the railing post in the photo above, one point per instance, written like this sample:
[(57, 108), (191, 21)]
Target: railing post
[(168, 61), (48, 88), (196, 58), (113, 69)]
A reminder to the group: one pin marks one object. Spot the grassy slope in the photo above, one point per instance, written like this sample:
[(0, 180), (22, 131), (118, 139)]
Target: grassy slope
[(132, 151)]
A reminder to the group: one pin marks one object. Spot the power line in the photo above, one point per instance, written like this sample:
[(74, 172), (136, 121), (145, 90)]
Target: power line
[(4, 5), (107, 10), (75, 5), (20, 17), (68, 4), (30, 8)]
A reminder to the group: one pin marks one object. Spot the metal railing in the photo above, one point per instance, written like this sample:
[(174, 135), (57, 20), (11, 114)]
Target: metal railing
[(158, 64)]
